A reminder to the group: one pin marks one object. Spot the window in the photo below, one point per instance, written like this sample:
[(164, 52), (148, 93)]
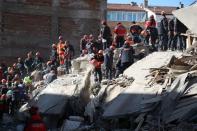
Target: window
[(134, 17), (113, 16), (126, 16), (129, 16), (119, 16)]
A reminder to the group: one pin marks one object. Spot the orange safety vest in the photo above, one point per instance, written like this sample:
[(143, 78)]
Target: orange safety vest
[(60, 47)]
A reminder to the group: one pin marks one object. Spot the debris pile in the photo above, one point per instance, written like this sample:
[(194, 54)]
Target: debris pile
[(155, 93)]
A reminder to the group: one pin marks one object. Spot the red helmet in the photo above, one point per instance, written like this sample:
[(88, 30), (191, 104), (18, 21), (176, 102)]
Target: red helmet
[(152, 17)]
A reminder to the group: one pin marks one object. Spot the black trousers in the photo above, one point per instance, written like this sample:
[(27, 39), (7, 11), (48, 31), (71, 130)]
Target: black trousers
[(119, 41), (163, 42), (97, 74)]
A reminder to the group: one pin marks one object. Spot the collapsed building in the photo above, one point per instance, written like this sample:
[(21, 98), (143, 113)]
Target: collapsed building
[(26, 24)]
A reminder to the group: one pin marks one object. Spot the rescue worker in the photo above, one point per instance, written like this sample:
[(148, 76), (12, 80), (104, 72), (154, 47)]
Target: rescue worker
[(97, 61), (120, 32), (29, 63), (83, 43), (28, 84), (3, 86), (50, 77), (38, 61), (163, 32), (1, 73), (179, 28), (171, 42), (151, 33), (127, 56), (3, 105), (60, 50), (35, 123), (135, 31), (20, 67), (84, 52), (90, 46), (54, 56), (106, 35), (68, 56), (10, 101), (108, 62)]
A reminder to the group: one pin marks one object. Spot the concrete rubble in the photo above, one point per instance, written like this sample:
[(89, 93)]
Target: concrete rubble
[(155, 93)]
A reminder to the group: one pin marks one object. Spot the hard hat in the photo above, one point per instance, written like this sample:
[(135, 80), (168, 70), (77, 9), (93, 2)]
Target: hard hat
[(163, 13), (37, 53), (3, 81), (14, 65), (54, 46), (152, 16), (112, 47), (60, 37), (100, 51), (49, 62), (9, 93)]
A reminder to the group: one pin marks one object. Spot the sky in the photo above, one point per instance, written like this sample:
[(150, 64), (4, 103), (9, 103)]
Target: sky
[(156, 2)]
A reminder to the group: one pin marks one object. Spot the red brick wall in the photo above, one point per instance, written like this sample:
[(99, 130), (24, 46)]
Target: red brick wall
[(31, 24), (79, 4), (39, 2)]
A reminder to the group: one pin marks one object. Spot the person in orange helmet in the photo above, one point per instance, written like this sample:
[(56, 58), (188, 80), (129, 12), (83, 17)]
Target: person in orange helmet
[(60, 50), (54, 55)]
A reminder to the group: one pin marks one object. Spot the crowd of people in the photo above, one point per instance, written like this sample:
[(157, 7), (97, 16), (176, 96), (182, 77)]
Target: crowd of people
[(16, 80), (164, 35)]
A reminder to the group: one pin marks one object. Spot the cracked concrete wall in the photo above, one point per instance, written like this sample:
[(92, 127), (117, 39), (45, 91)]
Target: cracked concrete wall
[(36, 24)]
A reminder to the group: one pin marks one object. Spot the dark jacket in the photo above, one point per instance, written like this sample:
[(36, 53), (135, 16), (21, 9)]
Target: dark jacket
[(108, 58), (127, 54), (38, 61), (171, 25), (50, 77), (54, 55), (99, 59), (135, 29), (83, 43), (29, 62), (106, 32), (163, 28)]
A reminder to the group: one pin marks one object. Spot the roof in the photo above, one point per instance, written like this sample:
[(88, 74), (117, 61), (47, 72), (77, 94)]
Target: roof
[(158, 9), (124, 7)]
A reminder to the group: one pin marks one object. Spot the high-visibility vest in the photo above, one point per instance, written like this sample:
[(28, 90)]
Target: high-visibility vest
[(60, 47)]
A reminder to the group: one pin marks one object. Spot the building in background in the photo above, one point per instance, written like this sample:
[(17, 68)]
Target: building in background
[(156, 11), (125, 13), (35, 24)]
